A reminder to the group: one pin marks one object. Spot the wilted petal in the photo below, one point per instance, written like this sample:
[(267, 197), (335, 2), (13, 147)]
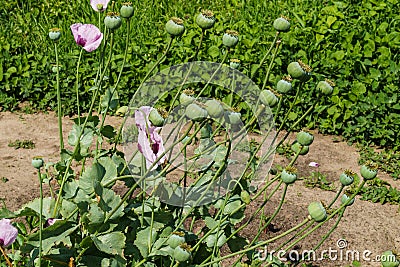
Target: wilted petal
[(87, 35), (8, 233), (95, 4), (314, 164)]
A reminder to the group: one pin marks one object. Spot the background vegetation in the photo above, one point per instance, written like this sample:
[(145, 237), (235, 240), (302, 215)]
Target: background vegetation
[(356, 44)]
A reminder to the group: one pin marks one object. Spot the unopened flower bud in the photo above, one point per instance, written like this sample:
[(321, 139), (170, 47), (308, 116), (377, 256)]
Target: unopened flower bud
[(37, 162)]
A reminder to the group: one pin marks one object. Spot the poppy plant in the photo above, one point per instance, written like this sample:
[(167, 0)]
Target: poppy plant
[(8, 233), (99, 5), (150, 143), (87, 35)]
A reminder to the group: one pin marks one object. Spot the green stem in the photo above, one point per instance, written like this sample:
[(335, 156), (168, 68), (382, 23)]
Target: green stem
[(260, 230), (270, 65), (215, 72), (77, 86), (76, 147), (188, 73), (336, 196), (40, 216), (59, 111), (265, 56)]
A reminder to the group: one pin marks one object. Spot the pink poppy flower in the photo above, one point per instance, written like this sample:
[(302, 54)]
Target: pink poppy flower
[(314, 164), (150, 143), (8, 233), (99, 5), (87, 35)]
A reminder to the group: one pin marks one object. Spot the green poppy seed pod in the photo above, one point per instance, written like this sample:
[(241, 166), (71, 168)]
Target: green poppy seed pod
[(282, 24), (317, 211), (389, 259), (155, 118), (230, 38), (347, 177), (345, 198), (234, 118), (214, 108), (185, 99), (299, 70), (326, 87), (176, 239), (234, 63), (289, 175), (298, 148), (245, 196), (182, 253), (126, 10), (268, 98), (112, 21), (37, 162), (368, 172), (205, 19), (175, 26), (304, 138), (54, 34), (195, 113), (284, 86)]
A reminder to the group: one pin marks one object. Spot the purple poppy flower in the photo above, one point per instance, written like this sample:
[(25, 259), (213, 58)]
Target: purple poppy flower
[(150, 143), (99, 5), (314, 164), (87, 35), (8, 233)]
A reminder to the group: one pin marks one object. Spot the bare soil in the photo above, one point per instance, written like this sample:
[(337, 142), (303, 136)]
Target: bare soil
[(365, 226)]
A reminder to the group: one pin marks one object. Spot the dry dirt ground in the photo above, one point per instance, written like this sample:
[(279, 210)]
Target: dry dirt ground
[(366, 226)]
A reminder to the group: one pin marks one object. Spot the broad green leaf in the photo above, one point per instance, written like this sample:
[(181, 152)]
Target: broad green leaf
[(110, 168), (110, 99), (232, 206), (112, 243), (109, 201), (33, 208), (142, 241), (54, 235), (91, 177)]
